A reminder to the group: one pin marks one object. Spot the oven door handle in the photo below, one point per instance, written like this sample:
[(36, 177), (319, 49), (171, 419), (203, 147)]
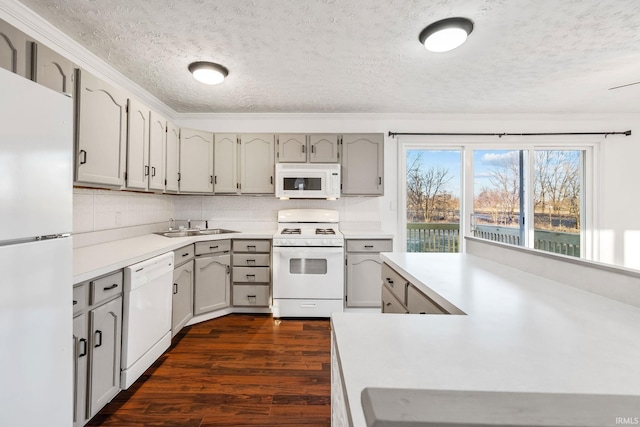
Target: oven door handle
[(302, 251)]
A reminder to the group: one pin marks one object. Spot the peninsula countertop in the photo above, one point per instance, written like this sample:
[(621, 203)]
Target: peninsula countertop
[(520, 333)]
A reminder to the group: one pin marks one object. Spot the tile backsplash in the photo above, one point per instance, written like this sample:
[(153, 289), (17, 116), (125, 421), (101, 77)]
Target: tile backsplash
[(98, 210), (265, 208)]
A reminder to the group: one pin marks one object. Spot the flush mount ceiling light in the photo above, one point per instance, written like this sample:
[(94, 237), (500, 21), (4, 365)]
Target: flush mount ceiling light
[(445, 35), (208, 73)]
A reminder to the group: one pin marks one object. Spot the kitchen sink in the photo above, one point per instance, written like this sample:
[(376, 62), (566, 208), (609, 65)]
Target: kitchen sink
[(186, 233)]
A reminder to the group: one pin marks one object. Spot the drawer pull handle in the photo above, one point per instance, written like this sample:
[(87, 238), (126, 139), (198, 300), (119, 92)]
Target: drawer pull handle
[(175, 288), (108, 288), (389, 281), (368, 246), (228, 269), (251, 277), (213, 247), (307, 305), (98, 343), (251, 261), (83, 352), (388, 304), (75, 302), (185, 254)]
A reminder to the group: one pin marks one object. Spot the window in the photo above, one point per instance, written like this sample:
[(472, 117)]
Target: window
[(503, 191), (433, 200), (536, 195)]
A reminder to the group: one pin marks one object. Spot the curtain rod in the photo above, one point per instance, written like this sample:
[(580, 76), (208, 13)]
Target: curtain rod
[(500, 135)]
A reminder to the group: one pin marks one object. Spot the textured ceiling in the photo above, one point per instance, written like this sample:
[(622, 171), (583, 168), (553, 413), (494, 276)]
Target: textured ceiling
[(363, 56)]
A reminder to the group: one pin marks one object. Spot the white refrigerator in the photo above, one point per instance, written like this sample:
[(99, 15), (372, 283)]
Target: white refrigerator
[(36, 336)]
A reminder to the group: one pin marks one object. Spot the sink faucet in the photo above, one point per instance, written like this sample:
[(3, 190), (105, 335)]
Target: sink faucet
[(171, 224)]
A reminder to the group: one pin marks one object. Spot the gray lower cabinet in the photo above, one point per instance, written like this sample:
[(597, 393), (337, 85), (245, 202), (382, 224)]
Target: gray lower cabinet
[(363, 271), (105, 325), (401, 296), (183, 280), (97, 335), (251, 273), (212, 290), (80, 365)]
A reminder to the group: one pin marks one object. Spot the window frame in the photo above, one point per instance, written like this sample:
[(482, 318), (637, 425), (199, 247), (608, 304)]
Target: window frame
[(590, 146)]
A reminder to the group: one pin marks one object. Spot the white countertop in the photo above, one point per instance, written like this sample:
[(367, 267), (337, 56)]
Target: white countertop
[(96, 260), (521, 333), (365, 234)]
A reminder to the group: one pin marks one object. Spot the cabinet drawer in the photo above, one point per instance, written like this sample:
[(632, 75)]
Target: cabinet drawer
[(389, 302), (251, 274), (80, 298), (396, 283), (382, 245), (184, 254), (419, 303), (213, 246), (251, 260), (251, 295), (106, 287), (252, 246)]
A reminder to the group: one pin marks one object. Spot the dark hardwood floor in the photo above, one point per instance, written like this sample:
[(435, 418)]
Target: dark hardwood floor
[(237, 370)]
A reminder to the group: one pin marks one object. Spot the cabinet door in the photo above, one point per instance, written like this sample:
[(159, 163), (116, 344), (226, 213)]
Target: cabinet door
[(157, 153), (225, 168), (13, 49), (182, 308), (173, 158), (292, 148), (100, 131), (363, 280), (362, 164), (80, 357), (196, 161), (323, 148), (104, 369), (137, 145), (51, 69), (257, 163), (213, 283)]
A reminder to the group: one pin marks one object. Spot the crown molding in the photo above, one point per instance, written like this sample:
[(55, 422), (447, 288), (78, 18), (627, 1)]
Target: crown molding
[(40, 30)]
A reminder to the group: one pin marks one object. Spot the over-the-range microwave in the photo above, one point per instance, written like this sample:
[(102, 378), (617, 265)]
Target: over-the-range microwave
[(307, 180)]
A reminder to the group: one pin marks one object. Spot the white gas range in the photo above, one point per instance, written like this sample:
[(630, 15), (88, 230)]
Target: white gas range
[(308, 264)]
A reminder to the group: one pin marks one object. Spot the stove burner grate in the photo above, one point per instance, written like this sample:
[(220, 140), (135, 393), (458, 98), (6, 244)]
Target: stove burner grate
[(291, 231), (325, 231)]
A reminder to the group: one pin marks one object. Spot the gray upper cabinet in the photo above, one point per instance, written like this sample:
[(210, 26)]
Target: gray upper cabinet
[(324, 148), (225, 165), (51, 69), (137, 145), (196, 161), (101, 126), (172, 165), (157, 151), (257, 163), (363, 164), (292, 148), (13, 49)]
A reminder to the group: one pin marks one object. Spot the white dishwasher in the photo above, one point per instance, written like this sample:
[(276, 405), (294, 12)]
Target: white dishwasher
[(146, 315)]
